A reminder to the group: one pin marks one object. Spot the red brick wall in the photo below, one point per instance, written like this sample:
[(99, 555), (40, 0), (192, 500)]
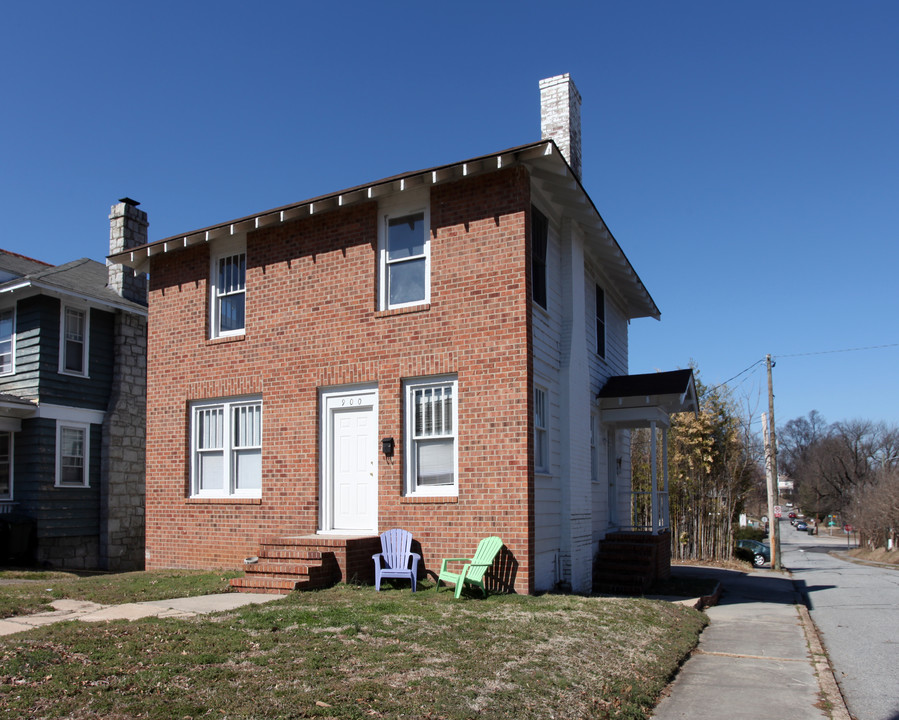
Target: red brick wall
[(312, 322)]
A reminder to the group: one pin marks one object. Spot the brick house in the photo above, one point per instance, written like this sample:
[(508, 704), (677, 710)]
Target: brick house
[(72, 407), (424, 351)]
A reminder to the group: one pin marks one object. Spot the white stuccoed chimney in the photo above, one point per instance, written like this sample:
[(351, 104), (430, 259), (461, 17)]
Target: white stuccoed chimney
[(560, 117)]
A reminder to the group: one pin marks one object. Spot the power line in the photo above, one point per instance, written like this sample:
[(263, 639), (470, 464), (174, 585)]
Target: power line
[(828, 352)]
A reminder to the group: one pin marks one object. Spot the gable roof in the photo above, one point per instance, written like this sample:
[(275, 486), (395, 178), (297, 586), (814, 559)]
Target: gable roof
[(547, 167), (637, 399), (82, 279)]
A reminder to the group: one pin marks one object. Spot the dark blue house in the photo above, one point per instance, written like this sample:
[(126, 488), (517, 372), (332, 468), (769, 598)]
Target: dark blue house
[(72, 407)]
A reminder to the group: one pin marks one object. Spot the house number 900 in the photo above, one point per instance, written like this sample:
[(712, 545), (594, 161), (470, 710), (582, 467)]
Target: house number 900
[(348, 402)]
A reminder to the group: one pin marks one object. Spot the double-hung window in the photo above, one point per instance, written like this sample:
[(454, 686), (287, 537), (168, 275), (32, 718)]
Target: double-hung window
[(7, 339), (404, 252), (541, 442), (432, 440), (74, 341), (5, 466), (600, 322), (226, 448), (229, 290), (539, 240), (72, 454)]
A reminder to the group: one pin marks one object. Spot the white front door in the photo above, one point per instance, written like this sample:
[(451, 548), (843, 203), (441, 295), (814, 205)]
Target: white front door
[(350, 462)]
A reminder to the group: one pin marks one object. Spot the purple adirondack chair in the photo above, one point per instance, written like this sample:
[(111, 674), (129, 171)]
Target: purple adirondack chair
[(393, 560)]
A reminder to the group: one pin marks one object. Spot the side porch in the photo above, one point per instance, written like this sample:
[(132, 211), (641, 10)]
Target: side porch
[(633, 557)]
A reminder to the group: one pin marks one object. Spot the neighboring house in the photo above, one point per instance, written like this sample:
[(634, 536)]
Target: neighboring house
[(423, 351), (72, 407)]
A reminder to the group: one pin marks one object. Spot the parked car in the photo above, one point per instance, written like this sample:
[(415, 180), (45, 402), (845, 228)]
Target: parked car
[(802, 526), (791, 515), (761, 553)]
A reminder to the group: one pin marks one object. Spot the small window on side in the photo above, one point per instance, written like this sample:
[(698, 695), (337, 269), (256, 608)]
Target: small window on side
[(539, 239), (600, 322)]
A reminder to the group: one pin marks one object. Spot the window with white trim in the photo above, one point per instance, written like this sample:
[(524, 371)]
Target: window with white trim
[(539, 241), (228, 287), (404, 243), (600, 322), (72, 454), (73, 343), (5, 466), (226, 448), (7, 340), (432, 441), (541, 443)]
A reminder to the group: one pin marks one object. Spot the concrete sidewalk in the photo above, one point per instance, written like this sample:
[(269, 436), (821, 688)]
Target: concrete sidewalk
[(92, 612), (760, 657)]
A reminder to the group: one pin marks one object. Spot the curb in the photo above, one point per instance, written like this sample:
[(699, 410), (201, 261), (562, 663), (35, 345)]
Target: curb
[(832, 697)]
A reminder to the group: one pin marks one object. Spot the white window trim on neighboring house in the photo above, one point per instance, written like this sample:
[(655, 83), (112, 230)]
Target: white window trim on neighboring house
[(85, 313), (64, 427), (6, 463), (236, 247), (404, 205), (228, 442), (442, 415), (8, 343), (541, 434)]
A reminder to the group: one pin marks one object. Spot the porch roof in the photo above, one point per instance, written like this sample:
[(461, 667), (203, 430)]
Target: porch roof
[(638, 400)]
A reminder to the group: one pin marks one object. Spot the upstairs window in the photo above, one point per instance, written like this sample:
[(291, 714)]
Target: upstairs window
[(229, 289), (405, 253), (431, 426), (600, 322), (539, 239), (226, 442), (74, 341), (7, 337)]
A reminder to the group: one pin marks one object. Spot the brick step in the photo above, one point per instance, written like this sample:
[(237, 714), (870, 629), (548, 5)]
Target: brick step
[(275, 585), (280, 552), (287, 569), (624, 558)]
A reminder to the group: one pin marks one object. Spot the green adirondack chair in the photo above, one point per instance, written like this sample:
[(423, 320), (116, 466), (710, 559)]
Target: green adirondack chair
[(473, 570)]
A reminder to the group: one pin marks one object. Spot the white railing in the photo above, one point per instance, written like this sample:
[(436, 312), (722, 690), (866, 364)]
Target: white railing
[(7, 507)]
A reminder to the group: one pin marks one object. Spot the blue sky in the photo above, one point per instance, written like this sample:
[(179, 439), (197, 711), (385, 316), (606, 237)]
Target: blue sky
[(744, 154)]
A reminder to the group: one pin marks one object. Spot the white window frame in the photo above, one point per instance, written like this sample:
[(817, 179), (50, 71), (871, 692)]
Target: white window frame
[(601, 338), (411, 387), (541, 430), (85, 430), (85, 340), (8, 496), (12, 342), (404, 205), (229, 448), (229, 249)]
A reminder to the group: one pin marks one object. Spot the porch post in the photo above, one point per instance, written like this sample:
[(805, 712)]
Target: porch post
[(654, 491), (666, 507)]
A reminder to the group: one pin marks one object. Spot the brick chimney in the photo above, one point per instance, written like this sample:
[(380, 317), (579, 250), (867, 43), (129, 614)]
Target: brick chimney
[(127, 229), (560, 117)]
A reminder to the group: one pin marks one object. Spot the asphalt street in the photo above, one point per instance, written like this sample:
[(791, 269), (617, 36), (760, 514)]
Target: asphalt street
[(856, 610)]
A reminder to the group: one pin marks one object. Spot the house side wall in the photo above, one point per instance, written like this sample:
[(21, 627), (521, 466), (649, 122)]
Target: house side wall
[(311, 324), (615, 362), (547, 328)]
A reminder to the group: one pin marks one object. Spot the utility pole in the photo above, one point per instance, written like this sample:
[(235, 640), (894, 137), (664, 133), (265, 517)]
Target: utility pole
[(771, 470)]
